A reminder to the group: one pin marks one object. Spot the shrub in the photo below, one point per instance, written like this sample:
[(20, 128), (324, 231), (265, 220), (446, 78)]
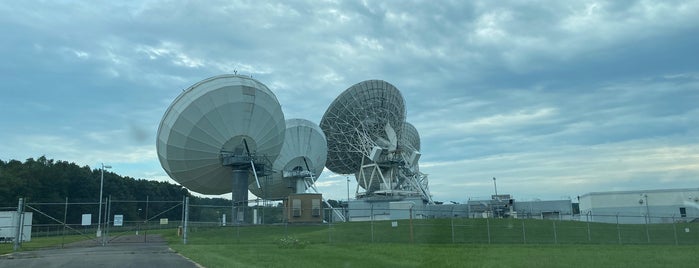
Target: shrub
[(292, 242)]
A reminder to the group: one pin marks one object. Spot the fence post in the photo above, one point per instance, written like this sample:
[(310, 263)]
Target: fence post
[(65, 216), (18, 229), (524, 233), (411, 224), (145, 230), (647, 231), (674, 230), (487, 223), (182, 216), (329, 226), (452, 226), (589, 235), (372, 222), (237, 226), (105, 235), (186, 220), (555, 234), (618, 228)]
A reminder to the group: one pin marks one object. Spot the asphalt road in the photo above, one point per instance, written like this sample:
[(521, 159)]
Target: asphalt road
[(127, 251)]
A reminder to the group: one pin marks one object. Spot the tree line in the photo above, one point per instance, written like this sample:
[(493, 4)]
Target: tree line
[(46, 184)]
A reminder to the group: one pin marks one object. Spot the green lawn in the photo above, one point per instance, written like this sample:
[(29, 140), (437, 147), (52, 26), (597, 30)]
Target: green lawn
[(436, 244), (42, 242), (463, 231), (440, 255), (432, 243)]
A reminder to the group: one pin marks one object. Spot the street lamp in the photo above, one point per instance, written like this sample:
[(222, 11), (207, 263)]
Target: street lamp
[(647, 209), (347, 205), (347, 189), (99, 216), (496, 186)]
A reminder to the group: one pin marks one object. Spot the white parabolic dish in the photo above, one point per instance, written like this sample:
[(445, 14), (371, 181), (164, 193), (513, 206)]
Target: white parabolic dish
[(303, 139), (214, 116)]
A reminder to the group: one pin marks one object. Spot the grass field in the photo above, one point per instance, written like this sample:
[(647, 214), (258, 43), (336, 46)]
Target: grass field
[(440, 255), (42, 242), (467, 231), (436, 244)]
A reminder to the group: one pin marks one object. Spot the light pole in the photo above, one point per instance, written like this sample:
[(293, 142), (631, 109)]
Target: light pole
[(647, 209), (99, 215), (347, 190), (496, 186), (347, 206)]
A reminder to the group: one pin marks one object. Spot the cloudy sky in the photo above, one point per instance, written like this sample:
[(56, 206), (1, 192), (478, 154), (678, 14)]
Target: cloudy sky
[(553, 98)]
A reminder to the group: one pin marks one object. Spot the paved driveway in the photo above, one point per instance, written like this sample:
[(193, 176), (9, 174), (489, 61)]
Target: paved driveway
[(127, 251)]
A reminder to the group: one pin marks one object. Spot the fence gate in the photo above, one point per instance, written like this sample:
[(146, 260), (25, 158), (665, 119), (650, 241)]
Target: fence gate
[(39, 220), (136, 221), (87, 224)]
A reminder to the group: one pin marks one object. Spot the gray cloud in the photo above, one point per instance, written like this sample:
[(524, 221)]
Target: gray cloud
[(550, 96)]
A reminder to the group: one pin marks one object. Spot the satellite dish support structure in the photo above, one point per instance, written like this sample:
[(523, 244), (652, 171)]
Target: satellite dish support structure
[(242, 165)]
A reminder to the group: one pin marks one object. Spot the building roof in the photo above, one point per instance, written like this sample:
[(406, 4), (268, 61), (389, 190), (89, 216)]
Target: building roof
[(642, 191)]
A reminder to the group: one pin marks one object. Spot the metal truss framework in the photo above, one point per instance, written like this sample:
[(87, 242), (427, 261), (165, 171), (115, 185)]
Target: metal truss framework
[(367, 116)]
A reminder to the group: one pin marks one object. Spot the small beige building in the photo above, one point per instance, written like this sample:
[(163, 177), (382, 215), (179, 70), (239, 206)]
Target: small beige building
[(304, 208)]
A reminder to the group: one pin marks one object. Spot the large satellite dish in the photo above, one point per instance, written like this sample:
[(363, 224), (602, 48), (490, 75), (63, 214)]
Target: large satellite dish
[(368, 137), (300, 161), (410, 153), (357, 121), (220, 134), (410, 138)]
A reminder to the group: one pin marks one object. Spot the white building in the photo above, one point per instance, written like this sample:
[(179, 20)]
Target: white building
[(388, 208), (544, 209), (644, 206), (505, 206), (8, 226)]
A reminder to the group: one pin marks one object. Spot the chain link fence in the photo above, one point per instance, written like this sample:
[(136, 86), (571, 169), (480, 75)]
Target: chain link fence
[(34, 225), (270, 223)]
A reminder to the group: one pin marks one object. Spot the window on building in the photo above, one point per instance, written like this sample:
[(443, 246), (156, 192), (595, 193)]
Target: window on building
[(296, 207), (315, 207), (683, 212)]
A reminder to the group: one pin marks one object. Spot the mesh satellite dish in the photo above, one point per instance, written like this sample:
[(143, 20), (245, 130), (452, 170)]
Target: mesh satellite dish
[(300, 161), (365, 128), (220, 134), (410, 152), (356, 122), (410, 137)]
